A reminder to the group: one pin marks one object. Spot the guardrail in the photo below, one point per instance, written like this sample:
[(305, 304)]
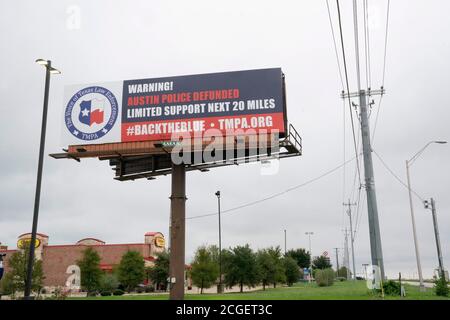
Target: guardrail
[(295, 138)]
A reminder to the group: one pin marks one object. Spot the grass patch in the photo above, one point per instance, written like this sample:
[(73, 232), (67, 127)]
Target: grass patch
[(346, 290)]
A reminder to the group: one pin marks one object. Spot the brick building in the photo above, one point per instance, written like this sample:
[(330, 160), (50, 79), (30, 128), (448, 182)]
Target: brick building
[(58, 260)]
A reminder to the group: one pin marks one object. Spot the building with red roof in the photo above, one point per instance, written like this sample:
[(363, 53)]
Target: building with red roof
[(58, 261)]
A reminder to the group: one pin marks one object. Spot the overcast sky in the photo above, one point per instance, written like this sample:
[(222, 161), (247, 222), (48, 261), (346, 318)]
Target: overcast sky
[(95, 41)]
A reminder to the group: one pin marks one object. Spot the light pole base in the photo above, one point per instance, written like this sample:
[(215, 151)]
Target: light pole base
[(422, 288)]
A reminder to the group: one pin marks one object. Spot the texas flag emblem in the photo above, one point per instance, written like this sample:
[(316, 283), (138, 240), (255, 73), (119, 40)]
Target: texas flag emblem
[(91, 111)]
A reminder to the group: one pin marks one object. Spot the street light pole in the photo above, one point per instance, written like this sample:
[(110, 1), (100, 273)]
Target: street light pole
[(413, 222), (220, 288), (285, 242), (29, 279), (416, 243)]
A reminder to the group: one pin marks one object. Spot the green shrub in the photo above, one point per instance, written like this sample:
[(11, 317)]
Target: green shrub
[(140, 290), (7, 285), (391, 288), (109, 282), (105, 293), (441, 287), (325, 277), (118, 292), (149, 289)]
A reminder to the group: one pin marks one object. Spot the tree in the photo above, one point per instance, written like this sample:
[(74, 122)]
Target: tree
[(266, 267), (279, 272), (325, 277), (441, 286), (321, 263), (90, 271), (205, 270), (292, 271), (131, 270), (342, 272), (109, 282), (301, 256), (241, 267), (16, 277), (159, 273)]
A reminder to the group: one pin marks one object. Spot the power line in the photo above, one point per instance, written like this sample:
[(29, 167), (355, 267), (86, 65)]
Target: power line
[(348, 87), (386, 40), (275, 194), (395, 176), (384, 66), (356, 33), (335, 45), (363, 202), (367, 44), (376, 118)]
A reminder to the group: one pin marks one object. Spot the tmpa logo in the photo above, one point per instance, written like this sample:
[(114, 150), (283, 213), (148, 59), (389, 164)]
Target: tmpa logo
[(91, 113)]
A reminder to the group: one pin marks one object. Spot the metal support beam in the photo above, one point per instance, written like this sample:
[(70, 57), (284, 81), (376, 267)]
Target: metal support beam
[(177, 232)]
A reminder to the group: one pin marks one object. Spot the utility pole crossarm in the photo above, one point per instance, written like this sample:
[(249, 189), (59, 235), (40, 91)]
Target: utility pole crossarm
[(369, 93)]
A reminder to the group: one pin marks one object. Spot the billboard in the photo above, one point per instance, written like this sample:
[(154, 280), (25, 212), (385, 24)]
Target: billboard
[(156, 109)]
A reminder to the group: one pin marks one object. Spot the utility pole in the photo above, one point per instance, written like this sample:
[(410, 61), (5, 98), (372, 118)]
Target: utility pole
[(365, 265), (372, 209), (374, 226), (436, 235), (337, 260), (284, 242), (309, 234), (349, 212), (220, 288), (346, 255), (409, 163)]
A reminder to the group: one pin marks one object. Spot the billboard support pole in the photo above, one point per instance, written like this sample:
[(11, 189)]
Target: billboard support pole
[(177, 231)]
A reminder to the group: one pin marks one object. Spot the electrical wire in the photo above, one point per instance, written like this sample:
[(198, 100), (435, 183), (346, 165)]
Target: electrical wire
[(356, 34), (335, 45), (348, 87), (386, 40), (367, 44), (275, 194), (396, 177), (384, 67), (344, 102), (363, 202)]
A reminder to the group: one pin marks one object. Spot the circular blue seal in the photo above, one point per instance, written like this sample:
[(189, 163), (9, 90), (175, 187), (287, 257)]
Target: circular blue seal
[(91, 113)]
